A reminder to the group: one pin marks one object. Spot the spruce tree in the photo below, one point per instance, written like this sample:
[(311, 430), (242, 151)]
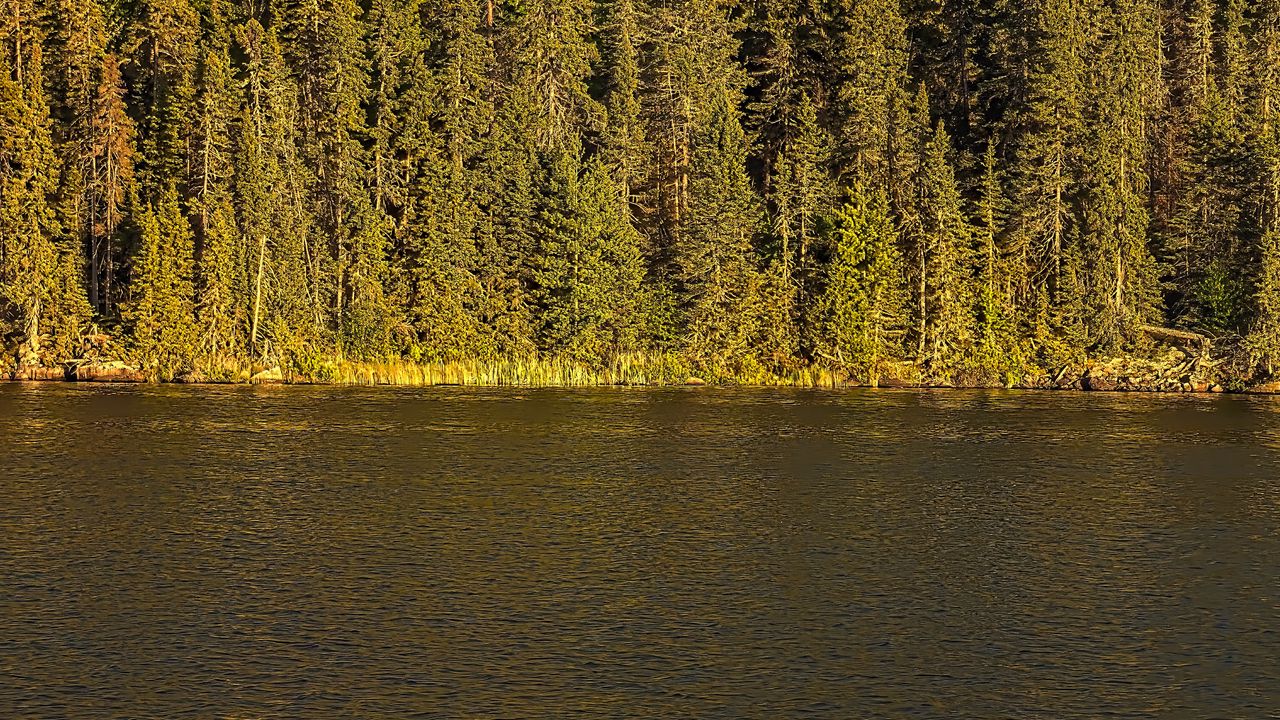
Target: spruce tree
[(283, 265), (161, 313), (1264, 147), (862, 312), (939, 245), (996, 344), (622, 141), (108, 171), (38, 292), (162, 51), (1048, 130), (718, 282), (589, 270), (870, 66), (1120, 273), (552, 58)]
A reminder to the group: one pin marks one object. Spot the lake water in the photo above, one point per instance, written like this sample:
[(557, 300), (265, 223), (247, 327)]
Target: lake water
[(238, 552)]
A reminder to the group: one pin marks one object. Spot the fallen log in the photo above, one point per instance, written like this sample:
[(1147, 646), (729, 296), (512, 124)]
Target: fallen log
[(1171, 335)]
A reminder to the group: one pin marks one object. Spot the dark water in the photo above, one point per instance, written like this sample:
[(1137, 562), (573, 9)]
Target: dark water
[(171, 552)]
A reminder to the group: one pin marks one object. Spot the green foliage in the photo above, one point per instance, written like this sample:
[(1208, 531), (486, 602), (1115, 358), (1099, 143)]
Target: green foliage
[(719, 283), (588, 271), (863, 308), (161, 315), (628, 189)]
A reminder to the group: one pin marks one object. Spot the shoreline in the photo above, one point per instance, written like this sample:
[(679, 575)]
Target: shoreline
[(1173, 372), (1270, 388)]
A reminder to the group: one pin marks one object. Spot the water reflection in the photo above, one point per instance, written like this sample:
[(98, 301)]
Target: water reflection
[(322, 552)]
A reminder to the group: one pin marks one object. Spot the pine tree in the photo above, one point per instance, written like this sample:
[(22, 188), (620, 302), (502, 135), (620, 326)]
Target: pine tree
[(220, 290), (689, 68), (1264, 147), (802, 192), (589, 268), (996, 348), (463, 60), (441, 291), (552, 58), (161, 314), (862, 311), (162, 51), (33, 279), (1119, 269), (400, 101), (622, 141), (940, 292), (870, 65), (326, 52), (718, 280), (283, 268), (506, 233), (107, 165)]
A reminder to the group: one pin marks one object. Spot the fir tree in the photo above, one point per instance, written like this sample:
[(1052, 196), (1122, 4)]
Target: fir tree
[(718, 280), (939, 247), (34, 281), (161, 314), (1120, 272), (622, 140), (996, 347), (589, 268), (862, 311)]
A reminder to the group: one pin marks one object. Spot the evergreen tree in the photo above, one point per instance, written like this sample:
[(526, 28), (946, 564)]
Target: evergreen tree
[(802, 191), (589, 268), (161, 314), (552, 59), (1119, 269), (870, 66), (220, 288), (718, 279), (996, 347), (940, 293), (862, 311), (282, 265), (162, 51), (463, 61), (1264, 144), (38, 314), (325, 48), (107, 165), (622, 140), (453, 180), (1045, 167)]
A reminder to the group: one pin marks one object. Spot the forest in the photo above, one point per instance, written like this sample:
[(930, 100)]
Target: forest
[(980, 192)]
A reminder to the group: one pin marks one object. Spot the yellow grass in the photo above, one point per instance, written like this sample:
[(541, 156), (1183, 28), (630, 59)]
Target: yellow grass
[(634, 369)]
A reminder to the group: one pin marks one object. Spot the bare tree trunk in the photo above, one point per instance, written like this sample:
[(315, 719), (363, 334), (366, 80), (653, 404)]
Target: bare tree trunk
[(257, 292), (32, 355)]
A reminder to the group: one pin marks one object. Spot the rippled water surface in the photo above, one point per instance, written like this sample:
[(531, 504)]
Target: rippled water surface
[(171, 552)]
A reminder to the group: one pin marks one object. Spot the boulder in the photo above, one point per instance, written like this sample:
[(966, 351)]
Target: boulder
[(32, 372), (1098, 380), (111, 371)]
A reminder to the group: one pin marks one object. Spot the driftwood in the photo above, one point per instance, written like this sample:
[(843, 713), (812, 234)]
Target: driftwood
[(1176, 337)]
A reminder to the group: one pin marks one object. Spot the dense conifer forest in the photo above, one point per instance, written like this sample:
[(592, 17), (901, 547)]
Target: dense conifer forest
[(978, 191)]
